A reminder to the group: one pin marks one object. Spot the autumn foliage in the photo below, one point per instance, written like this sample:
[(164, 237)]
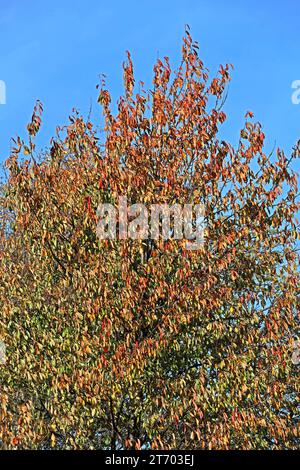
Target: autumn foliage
[(116, 344)]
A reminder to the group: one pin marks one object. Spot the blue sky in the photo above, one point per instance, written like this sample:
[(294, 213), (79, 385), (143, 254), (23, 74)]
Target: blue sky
[(55, 51)]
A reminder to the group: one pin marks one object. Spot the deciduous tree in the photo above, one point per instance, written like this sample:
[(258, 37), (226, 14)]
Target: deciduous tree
[(140, 343)]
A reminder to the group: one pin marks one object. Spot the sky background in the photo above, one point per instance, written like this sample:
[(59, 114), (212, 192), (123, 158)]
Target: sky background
[(56, 50)]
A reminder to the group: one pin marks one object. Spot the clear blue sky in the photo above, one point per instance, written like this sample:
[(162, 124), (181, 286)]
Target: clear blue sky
[(55, 50)]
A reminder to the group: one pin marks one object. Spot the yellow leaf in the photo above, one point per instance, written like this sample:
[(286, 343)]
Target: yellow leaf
[(53, 440)]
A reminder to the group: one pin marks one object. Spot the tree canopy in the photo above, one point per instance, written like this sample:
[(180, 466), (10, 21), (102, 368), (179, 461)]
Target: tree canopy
[(121, 344)]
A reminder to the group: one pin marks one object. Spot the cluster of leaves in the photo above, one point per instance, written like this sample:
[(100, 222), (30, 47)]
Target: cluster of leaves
[(117, 344)]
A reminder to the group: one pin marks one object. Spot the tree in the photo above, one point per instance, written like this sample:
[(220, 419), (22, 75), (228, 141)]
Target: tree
[(140, 343)]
